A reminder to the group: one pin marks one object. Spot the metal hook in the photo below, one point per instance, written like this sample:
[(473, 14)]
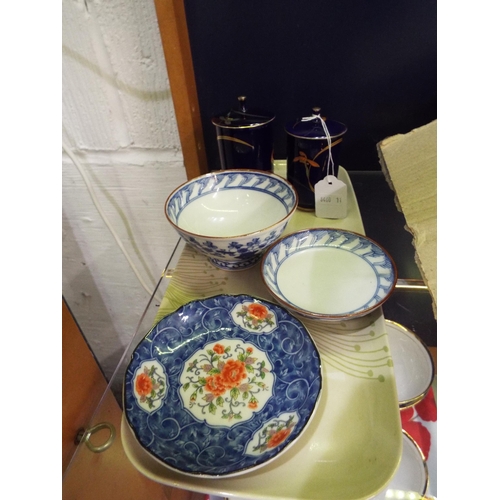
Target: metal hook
[(84, 435)]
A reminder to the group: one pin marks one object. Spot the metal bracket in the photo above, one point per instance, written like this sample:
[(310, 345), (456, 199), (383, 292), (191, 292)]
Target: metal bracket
[(414, 285)]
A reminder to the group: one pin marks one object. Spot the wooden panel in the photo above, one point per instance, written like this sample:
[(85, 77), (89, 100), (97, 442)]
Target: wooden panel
[(108, 474), (82, 384), (177, 50)]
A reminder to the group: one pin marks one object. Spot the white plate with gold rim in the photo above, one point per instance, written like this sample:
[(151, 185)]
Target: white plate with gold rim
[(413, 364)]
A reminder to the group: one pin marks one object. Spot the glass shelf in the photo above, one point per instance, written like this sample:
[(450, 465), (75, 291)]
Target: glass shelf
[(107, 474), (92, 475)]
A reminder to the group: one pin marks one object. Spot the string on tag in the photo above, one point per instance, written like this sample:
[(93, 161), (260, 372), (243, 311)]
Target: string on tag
[(330, 164)]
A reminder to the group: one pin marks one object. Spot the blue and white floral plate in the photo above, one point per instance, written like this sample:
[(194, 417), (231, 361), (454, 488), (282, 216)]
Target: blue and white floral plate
[(222, 386), (328, 274)]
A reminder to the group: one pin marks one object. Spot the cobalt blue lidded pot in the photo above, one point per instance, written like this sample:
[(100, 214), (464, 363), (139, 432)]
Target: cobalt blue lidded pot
[(245, 137), (307, 153)]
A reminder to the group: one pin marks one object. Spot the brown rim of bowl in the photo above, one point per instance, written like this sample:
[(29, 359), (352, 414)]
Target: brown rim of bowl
[(234, 170), (408, 403), (328, 317)]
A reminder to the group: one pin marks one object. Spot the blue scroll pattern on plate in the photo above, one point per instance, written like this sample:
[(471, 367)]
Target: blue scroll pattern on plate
[(282, 357)]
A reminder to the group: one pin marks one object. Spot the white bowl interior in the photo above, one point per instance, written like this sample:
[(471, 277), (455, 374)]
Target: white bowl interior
[(413, 365), (350, 281), (231, 212), (328, 273)]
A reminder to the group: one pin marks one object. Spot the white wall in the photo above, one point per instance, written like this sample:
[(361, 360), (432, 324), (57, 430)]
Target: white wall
[(118, 123)]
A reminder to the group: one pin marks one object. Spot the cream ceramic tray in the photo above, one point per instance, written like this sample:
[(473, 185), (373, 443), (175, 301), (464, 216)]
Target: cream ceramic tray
[(352, 447), (410, 481)]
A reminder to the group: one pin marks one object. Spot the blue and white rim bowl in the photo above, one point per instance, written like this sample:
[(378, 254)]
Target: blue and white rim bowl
[(222, 386), (328, 274), (232, 216)]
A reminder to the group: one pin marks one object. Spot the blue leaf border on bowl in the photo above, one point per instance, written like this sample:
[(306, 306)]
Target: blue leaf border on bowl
[(253, 180), (363, 247)]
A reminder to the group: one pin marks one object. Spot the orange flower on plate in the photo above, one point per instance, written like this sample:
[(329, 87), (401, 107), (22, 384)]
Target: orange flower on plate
[(143, 384), (215, 385), (257, 311), (226, 377), (219, 349), (233, 373), (256, 316), (278, 437)]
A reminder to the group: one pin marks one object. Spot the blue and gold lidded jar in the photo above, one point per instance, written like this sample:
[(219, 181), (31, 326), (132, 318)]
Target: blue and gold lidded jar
[(307, 153), (245, 137)]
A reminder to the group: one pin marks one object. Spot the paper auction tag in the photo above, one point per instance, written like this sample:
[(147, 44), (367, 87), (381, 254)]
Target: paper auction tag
[(330, 196)]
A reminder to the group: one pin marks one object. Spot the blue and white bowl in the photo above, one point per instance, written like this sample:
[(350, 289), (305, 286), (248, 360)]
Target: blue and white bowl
[(232, 216), (328, 274)]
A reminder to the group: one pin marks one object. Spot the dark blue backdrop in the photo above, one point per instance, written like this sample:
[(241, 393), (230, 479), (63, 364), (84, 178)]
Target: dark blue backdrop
[(368, 63)]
